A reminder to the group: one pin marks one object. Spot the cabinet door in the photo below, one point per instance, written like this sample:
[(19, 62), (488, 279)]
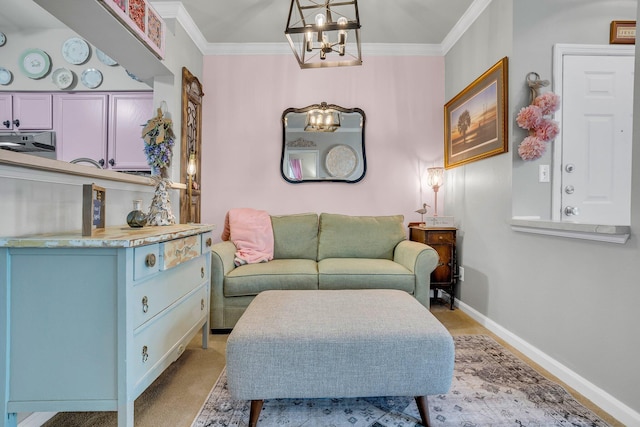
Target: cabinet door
[(6, 112), (128, 112), (33, 111), (81, 126), (26, 111)]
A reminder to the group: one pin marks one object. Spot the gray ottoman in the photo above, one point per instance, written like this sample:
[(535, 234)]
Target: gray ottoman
[(338, 343)]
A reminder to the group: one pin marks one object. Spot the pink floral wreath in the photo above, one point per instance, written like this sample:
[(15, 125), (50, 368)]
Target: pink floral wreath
[(536, 118)]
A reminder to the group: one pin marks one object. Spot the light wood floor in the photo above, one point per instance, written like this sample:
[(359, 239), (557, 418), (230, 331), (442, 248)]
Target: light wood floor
[(176, 397)]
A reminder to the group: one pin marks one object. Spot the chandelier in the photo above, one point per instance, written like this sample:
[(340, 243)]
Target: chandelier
[(323, 119), (324, 33)]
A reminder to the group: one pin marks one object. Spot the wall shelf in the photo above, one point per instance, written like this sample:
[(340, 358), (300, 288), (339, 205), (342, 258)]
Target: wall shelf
[(599, 232)]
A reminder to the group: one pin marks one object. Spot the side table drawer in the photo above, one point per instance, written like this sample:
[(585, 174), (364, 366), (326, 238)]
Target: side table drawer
[(177, 251), (440, 237)]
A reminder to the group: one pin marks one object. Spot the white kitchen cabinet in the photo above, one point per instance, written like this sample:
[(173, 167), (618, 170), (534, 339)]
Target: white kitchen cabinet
[(103, 127), (25, 111), (91, 322)]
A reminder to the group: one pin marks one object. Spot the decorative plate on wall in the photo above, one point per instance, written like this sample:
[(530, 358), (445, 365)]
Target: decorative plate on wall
[(105, 59), (34, 63), (341, 161), (91, 78), (75, 51), (62, 78), (5, 76), (3, 39)]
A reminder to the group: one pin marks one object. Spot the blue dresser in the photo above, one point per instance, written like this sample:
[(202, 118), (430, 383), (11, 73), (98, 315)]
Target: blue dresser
[(88, 323)]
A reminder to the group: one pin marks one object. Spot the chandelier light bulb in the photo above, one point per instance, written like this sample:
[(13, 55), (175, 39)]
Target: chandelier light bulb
[(320, 20)]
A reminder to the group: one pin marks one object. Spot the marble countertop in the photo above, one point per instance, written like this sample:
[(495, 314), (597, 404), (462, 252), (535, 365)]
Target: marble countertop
[(116, 237)]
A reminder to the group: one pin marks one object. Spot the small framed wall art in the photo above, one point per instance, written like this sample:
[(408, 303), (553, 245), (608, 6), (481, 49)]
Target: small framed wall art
[(93, 209), (622, 32)]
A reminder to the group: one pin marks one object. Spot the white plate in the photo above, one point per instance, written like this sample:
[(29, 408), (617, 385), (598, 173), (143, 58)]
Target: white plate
[(62, 78), (105, 59), (91, 78), (5, 76), (75, 50), (34, 63)]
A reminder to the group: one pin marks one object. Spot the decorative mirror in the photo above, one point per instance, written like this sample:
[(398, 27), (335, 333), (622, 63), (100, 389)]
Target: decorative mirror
[(323, 142)]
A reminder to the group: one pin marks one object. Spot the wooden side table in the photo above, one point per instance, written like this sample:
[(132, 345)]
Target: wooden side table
[(443, 240)]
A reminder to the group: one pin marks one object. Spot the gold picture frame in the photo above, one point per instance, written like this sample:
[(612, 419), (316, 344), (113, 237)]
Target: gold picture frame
[(475, 120), (622, 32)]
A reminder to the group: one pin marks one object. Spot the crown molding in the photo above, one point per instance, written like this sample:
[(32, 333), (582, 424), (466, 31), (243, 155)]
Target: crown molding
[(463, 24), (175, 10)]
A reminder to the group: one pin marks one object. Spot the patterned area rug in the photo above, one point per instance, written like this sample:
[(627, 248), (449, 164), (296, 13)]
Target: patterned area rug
[(491, 387)]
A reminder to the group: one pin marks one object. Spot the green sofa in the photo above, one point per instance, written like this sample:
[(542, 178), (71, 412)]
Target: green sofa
[(328, 251)]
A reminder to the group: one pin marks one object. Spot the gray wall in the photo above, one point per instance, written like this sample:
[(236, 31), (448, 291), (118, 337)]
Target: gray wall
[(575, 300)]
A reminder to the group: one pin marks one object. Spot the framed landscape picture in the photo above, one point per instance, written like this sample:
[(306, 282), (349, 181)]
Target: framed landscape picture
[(475, 120)]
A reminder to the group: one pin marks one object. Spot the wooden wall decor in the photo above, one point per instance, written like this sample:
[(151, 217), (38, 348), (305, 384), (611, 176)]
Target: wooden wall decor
[(191, 143)]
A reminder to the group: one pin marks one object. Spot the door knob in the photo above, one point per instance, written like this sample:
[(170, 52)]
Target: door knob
[(6, 123), (570, 211), (570, 167), (569, 189), (16, 123), (112, 162), (101, 162)]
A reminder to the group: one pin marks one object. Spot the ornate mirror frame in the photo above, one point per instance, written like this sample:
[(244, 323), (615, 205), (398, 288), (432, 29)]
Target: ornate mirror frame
[(191, 143), (332, 151)]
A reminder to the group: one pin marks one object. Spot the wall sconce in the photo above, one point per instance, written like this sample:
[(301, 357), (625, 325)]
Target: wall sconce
[(435, 179), (192, 168)]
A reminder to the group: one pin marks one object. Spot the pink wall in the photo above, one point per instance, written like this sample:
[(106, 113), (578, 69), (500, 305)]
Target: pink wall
[(245, 96)]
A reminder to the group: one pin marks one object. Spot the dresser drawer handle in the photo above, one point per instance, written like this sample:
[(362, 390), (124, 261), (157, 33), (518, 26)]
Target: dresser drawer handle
[(201, 304), (184, 250), (150, 260), (145, 355), (145, 304), (208, 242), (202, 272)]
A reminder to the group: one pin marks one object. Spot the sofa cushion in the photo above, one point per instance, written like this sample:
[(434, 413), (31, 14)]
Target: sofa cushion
[(343, 236), (251, 279), (364, 273), (295, 236)]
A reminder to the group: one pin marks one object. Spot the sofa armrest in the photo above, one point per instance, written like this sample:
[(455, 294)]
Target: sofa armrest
[(222, 255), (421, 259)]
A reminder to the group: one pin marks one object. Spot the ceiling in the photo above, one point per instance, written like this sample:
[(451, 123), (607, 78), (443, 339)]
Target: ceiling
[(263, 21)]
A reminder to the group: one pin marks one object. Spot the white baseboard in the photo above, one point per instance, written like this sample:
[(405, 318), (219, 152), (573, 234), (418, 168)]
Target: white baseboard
[(601, 398), (36, 419)]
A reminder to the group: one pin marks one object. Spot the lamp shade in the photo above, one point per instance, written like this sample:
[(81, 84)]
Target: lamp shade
[(435, 177)]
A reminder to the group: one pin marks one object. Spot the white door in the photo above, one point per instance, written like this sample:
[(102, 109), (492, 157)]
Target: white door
[(597, 115)]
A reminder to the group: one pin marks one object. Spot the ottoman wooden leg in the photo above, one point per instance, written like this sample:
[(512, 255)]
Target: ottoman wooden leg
[(423, 408), (254, 413)]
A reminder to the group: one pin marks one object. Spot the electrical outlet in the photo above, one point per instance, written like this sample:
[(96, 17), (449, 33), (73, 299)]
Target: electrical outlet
[(461, 273), (543, 173)]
